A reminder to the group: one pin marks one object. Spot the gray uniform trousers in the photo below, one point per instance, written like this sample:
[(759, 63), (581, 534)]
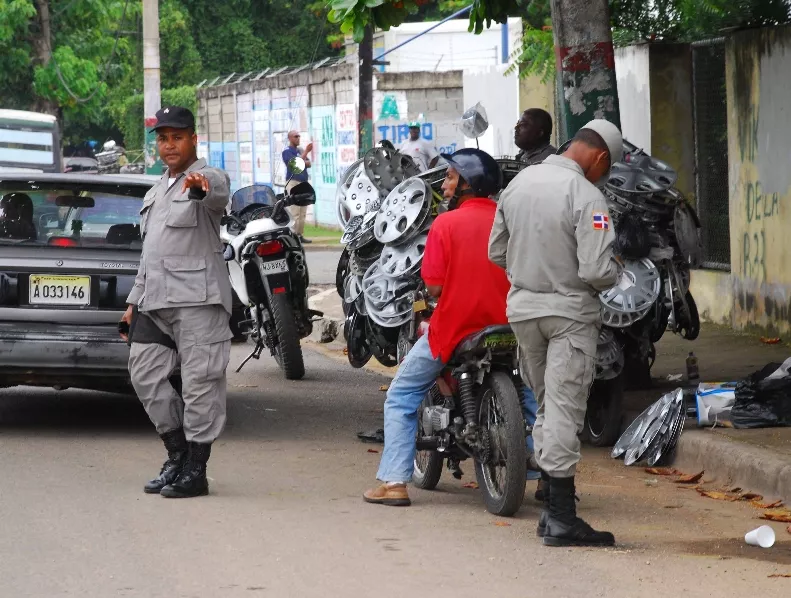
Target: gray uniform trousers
[(202, 336), (557, 360)]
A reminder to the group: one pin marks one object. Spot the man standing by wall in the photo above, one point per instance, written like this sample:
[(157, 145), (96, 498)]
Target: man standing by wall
[(421, 151), (180, 306), (532, 136), (553, 235), (298, 213)]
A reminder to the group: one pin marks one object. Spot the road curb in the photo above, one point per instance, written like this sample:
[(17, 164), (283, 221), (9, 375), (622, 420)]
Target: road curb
[(736, 463)]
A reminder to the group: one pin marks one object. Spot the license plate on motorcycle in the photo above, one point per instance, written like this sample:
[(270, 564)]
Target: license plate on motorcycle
[(275, 266)]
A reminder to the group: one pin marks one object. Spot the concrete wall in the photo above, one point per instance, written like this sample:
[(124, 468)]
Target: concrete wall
[(634, 93), (499, 95), (449, 47), (435, 99), (758, 72), (243, 128)]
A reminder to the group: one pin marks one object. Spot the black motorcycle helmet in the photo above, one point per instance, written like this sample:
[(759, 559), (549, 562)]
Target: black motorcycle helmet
[(478, 169)]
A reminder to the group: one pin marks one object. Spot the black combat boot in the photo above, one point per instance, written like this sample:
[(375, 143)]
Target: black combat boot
[(563, 527), (176, 445), (544, 488), (192, 479)]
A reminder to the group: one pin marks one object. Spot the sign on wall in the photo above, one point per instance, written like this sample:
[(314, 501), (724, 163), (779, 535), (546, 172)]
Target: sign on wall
[(324, 170)]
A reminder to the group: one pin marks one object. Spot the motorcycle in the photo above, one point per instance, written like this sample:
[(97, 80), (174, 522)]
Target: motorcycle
[(473, 411), (269, 273)]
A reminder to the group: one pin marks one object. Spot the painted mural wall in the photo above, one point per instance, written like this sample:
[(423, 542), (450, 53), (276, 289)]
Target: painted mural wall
[(758, 70)]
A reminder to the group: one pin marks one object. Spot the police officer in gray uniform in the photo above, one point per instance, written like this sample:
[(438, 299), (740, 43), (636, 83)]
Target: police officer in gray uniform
[(182, 292), (553, 235)]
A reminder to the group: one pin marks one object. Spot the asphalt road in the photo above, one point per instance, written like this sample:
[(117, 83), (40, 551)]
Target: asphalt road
[(285, 517), (322, 265)]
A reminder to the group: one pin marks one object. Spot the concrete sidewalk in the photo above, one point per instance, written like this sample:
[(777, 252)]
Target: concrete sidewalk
[(756, 460)]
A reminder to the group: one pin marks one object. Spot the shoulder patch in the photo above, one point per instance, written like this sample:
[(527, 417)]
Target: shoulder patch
[(601, 221)]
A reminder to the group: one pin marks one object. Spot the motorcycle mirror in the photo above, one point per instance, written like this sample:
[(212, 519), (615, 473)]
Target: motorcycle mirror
[(229, 254), (474, 122), (296, 165)]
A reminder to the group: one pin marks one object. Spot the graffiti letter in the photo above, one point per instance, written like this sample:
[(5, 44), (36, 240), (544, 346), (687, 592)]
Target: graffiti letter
[(746, 251), (383, 130), (403, 133), (389, 108), (428, 131), (749, 201)]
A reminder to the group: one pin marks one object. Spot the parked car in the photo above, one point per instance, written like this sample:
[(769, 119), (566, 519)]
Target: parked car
[(69, 251)]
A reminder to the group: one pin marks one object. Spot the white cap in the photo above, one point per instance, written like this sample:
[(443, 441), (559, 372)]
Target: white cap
[(611, 136)]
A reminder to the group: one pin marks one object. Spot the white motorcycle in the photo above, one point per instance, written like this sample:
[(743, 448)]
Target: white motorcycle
[(269, 274)]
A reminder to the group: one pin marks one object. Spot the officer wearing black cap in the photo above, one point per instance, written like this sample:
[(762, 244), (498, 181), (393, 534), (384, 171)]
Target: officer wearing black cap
[(181, 304)]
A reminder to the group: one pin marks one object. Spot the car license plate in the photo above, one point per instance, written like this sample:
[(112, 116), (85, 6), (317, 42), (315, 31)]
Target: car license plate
[(47, 289), (275, 266)]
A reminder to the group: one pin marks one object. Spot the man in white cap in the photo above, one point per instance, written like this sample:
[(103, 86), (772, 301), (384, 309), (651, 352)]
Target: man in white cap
[(553, 235)]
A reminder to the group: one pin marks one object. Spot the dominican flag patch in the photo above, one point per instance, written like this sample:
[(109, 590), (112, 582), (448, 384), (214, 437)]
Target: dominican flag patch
[(601, 221)]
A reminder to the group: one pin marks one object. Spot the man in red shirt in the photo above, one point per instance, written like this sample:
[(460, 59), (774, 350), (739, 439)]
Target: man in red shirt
[(472, 295)]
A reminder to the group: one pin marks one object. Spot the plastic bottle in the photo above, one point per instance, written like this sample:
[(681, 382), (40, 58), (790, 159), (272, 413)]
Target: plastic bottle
[(693, 374)]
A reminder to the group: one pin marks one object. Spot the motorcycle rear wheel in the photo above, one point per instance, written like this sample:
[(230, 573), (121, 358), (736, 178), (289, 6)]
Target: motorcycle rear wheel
[(288, 352), (502, 478), (428, 464)]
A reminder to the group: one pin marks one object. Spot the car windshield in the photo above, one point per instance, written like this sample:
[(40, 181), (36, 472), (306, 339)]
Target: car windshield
[(71, 215)]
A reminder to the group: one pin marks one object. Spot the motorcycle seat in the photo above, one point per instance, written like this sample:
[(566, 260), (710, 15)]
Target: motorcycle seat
[(500, 336)]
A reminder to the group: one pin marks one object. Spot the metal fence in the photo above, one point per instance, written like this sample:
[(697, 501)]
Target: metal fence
[(711, 151)]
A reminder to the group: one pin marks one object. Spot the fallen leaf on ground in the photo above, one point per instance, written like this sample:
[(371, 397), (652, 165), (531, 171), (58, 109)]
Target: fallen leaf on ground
[(750, 496), (662, 471), (780, 575), (737, 489), (384, 388), (473, 485), (502, 524), (717, 495), (245, 385), (672, 506), (372, 451), (770, 341), (783, 515), (346, 351), (690, 479), (771, 505)]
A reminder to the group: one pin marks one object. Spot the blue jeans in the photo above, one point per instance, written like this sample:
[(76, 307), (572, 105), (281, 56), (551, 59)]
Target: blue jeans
[(413, 380)]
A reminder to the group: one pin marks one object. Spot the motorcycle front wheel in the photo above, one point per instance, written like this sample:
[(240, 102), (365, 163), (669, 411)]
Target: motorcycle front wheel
[(502, 472), (287, 350)]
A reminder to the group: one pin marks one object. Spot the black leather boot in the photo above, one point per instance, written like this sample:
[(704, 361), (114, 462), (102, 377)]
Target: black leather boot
[(192, 480), (563, 527), (544, 488), (176, 445)]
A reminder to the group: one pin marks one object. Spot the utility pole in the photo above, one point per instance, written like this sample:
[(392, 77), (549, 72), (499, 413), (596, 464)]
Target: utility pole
[(366, 91), (151, 86), (585, 64)]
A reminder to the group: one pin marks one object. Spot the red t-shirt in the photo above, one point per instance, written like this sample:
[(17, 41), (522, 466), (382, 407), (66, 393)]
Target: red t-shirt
[(474, 290)]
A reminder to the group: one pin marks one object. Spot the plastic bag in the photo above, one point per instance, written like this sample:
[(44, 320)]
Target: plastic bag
[(762, 401), (631, 237)]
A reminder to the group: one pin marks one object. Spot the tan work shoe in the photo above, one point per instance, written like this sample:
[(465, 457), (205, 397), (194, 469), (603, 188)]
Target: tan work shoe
[(392, 495)]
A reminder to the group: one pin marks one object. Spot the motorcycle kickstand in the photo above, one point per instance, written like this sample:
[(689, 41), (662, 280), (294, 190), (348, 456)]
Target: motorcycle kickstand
[(256, 354)]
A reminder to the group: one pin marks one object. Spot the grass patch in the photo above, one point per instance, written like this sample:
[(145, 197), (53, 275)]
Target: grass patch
[(319, 232)]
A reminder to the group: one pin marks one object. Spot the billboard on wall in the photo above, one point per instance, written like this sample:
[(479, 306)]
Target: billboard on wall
[(324, 170)]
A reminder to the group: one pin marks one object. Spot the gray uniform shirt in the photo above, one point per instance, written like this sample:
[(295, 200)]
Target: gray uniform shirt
[(182, 263), (553, 235)]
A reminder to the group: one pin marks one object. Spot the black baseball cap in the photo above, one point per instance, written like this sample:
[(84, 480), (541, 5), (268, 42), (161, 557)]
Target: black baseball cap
[(174, 117)]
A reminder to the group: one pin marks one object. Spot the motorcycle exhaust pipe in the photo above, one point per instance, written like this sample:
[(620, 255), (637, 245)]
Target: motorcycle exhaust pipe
[(427, 443)]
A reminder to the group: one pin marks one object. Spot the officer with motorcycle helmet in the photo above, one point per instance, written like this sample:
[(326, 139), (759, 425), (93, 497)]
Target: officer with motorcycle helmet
[(455, 254)]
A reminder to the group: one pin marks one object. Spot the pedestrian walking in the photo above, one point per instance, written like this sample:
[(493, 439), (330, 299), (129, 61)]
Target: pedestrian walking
[(421, 151), (180, 307), (532, 136), (553, 235), (298, 213)]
